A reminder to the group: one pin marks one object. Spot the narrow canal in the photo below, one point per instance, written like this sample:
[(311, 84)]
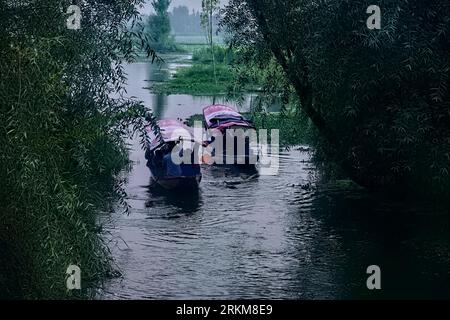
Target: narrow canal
[(283, 236)]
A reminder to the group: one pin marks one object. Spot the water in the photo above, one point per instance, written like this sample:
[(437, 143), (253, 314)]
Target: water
[(282, 237), (143, 75)]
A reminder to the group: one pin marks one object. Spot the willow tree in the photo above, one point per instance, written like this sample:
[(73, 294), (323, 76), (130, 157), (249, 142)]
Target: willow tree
[(63, 116), (158, 26), (379, 98)]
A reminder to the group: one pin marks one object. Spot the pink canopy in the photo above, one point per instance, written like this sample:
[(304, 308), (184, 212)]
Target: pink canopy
[(227, 115), (171, 130)]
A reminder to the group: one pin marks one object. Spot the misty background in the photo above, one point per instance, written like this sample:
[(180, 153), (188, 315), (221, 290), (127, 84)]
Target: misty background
[(185, 19)]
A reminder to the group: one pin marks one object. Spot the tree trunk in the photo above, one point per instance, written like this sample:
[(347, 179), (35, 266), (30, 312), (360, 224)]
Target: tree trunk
[(304, 90)]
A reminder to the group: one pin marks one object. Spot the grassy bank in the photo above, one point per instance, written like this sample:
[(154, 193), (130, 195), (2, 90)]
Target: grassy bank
[(197, 80), (204, 77)]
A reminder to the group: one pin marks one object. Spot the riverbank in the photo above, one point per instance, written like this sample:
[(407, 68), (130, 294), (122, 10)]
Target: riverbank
[(197, 80), (206, 75)]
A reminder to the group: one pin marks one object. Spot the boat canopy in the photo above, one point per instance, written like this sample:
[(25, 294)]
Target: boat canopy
[(171, 131), (221, 117)]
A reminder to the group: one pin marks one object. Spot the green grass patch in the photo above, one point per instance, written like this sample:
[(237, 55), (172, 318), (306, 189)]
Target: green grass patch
[(222, 55), (202, 78), (198, 79)]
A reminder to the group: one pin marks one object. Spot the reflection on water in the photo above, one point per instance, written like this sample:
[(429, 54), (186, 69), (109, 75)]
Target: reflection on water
[(186, 203), (284, 236)]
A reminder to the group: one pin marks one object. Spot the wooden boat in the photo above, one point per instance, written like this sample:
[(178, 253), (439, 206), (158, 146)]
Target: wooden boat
[(173, 138), (223, 121)]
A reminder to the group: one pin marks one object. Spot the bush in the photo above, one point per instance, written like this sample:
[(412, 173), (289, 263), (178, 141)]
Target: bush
[(221, 55), (198, 80), (62, 144), (379, 98)]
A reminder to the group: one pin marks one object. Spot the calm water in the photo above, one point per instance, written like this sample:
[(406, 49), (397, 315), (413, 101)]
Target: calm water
[(285, 236), (143, 75)]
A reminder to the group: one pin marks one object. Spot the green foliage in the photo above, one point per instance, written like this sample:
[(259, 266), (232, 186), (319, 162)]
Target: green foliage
[(222, 55), (379, 98), (158, 27), (61, 140), (203, 77), (294, 128), (197, 80)]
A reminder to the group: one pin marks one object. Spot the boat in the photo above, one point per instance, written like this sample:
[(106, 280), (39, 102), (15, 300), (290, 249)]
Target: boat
[(225, 122), (170, 139)]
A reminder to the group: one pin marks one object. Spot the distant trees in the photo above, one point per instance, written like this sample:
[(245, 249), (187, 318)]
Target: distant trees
[(185, 22), (158, 27), (380, 99)]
